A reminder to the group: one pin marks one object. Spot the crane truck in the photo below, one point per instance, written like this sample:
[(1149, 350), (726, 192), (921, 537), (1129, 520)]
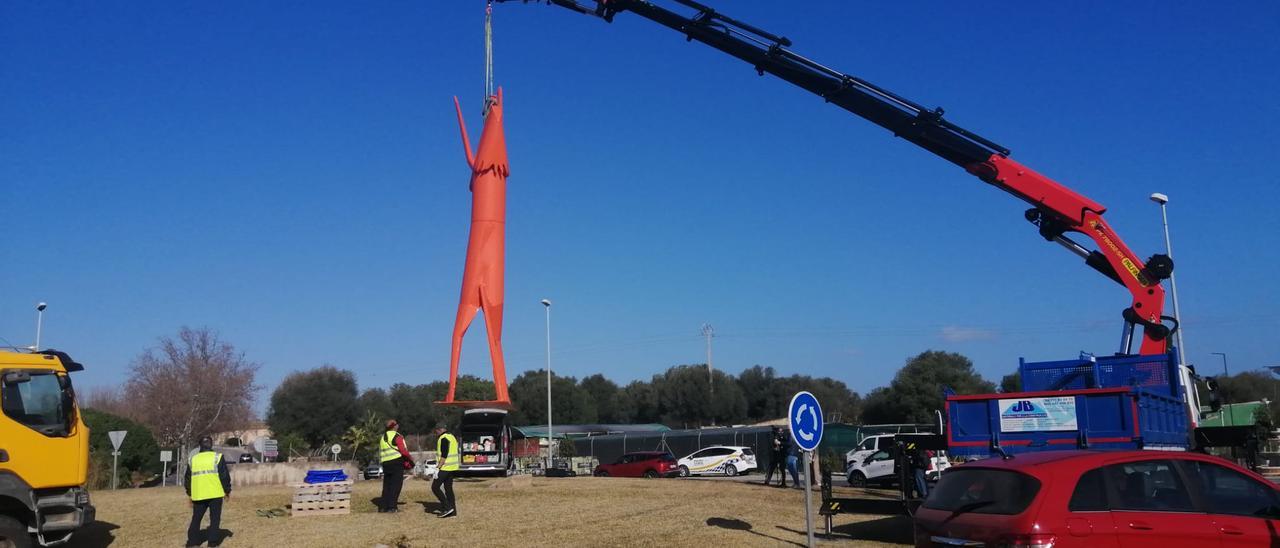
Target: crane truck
[(1056, 211), (44, 451), (1142, 399)]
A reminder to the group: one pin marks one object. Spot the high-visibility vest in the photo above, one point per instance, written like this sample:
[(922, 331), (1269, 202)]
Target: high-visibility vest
[(205, 483), (387, 447), (450, 462)]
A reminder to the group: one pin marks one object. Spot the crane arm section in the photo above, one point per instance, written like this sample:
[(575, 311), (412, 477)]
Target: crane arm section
[(1056, 209)]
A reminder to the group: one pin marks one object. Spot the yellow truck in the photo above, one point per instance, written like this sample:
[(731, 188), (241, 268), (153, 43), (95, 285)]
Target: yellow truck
[(44, 451)]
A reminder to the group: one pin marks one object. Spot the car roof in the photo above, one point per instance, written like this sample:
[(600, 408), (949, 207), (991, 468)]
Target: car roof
[(1083, 458), (724, 447)]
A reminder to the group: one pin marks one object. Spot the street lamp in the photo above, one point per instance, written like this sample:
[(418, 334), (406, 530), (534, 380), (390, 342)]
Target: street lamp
[(551, 440), (39, 323), (1163, 200), (1225, 373)]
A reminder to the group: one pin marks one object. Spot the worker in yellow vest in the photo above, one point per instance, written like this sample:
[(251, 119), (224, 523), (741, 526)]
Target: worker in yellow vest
[(208, 482), (395, 459), (448, 454)]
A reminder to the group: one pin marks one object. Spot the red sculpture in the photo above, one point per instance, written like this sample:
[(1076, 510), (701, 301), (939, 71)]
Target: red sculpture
[(482, 276)]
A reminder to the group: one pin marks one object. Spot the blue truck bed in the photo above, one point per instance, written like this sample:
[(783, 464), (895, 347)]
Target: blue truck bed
[(1127, 417)]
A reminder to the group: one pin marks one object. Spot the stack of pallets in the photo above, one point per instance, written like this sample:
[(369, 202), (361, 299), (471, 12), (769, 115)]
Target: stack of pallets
[(322, 499)]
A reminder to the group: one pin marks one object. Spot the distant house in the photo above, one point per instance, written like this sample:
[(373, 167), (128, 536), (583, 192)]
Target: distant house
[(246, 436)]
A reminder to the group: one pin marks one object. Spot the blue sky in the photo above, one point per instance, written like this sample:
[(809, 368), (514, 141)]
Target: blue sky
[(290, 174)]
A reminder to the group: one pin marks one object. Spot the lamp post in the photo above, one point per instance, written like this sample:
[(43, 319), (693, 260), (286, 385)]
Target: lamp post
[(1225, 373), (1183, 370), (39, 323), (1163, 200), (551, 440)]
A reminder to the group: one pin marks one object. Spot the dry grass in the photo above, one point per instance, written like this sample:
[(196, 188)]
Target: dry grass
[(494, 512)]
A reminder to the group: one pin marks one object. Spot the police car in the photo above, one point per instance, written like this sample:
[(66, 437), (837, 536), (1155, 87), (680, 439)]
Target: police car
[(720, 459)]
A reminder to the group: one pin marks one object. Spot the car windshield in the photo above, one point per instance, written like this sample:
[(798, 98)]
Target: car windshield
[(38, 403), (983, 491)]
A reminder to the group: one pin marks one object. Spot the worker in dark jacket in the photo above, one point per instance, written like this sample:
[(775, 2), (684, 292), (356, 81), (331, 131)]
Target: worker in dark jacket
[(208, 482), (777, 456), (395, 459)]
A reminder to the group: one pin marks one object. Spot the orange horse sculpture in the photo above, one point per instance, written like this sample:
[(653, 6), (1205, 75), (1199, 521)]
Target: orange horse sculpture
[(482, 277)]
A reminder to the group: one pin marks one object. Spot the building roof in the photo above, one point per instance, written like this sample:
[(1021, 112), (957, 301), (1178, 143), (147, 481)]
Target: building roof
[(579, 430), (1231, 414)]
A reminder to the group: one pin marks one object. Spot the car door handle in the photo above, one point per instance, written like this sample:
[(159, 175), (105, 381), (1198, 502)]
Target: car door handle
[(1229, 530), (1140, 525)]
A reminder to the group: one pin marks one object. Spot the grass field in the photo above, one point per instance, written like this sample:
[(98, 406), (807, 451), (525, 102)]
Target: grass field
[(497, 512)]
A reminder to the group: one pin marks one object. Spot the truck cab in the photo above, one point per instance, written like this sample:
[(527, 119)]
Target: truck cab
[(44, 450)]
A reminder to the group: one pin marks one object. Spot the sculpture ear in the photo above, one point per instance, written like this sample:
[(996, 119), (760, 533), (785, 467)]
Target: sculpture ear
[(466, 143)]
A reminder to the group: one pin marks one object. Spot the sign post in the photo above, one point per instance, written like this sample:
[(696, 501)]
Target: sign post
[(335, 449), (267, 447), (805, 416), (165, 458), (117, 438)]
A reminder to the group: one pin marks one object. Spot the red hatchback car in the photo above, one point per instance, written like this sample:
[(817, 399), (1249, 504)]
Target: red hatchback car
[(1100, 499), (643, 464)]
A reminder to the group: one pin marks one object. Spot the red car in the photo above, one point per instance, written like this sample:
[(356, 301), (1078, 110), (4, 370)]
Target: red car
[(1100, 499), (643, 464)]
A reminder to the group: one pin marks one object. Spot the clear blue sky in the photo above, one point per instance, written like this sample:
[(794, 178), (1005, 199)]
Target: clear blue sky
[(290, 174)]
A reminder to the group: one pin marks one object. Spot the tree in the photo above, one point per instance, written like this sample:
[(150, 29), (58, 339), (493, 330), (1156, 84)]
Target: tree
[(759, 386), (572, 404), (638, 403), (916, 391), (363, 437), (1011, 382), (317, 405), (604, 393), (412, 406), (190, 386), (376, 401), (684, 397), (139, 453)]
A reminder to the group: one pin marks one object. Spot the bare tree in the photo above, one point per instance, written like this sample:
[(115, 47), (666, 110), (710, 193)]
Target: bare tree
[(108, 399), (190, 386)]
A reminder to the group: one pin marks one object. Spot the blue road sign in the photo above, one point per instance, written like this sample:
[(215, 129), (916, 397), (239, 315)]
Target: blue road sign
[(805, 416)]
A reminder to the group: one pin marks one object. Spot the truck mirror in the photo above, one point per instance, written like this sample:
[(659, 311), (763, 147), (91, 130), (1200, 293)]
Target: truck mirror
[(16, 377)]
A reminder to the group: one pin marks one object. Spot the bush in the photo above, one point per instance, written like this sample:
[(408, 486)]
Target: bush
[(138, 454)]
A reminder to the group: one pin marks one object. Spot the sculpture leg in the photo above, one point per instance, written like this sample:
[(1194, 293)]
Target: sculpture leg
[(493, 328), (466, 313)]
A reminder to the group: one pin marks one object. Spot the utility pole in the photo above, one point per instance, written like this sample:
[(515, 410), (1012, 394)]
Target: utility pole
[(551, 439), (708, 331)]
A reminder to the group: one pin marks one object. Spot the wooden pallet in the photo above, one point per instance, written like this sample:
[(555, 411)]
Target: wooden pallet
[(321, 499)]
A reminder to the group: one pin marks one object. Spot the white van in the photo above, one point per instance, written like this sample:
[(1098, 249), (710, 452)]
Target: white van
[(871, 462)]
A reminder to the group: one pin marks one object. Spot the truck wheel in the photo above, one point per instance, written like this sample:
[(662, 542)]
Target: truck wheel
[(857, 479), (13, 534)]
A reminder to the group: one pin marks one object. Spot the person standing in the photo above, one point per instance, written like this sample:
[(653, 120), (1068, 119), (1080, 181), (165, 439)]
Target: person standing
[(793, 464), (395, 459), (918, 461), (207, 482), (777, 456), (447, 452)]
